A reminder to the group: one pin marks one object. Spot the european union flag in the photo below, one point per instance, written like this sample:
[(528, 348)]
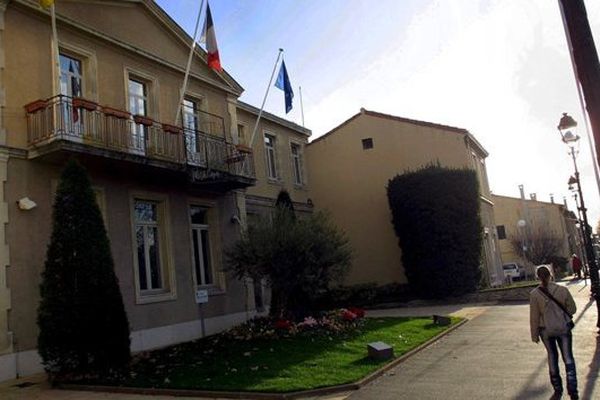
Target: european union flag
[(283, 83)]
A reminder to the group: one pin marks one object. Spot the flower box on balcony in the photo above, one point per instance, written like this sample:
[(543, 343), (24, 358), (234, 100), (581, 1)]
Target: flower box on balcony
[(80, 102), (36, 106), (172, 129), (115, 112), (242, 148), (143, 120), (234, 158)]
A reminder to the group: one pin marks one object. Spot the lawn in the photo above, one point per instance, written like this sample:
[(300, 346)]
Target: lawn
[(282, 365)]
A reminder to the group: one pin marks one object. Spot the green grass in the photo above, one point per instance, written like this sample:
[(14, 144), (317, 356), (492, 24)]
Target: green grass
[(282, 365)]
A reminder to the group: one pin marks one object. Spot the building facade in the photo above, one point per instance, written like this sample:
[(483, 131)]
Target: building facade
[(174, 193), (352, 165), (525, 220)]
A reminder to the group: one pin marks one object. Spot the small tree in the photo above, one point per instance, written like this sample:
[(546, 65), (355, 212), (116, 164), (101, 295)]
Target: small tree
[(81, 317), (435, 213), (298, 259)]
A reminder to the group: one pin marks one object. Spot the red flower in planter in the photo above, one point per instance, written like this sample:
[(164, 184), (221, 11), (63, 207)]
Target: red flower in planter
[(348, 315), (359, 312), (283, 324)]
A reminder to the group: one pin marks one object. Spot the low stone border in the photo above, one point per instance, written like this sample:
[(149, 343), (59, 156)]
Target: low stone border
[(263, 395)]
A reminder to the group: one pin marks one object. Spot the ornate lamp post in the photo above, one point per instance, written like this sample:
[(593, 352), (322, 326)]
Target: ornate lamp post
[(566, 127)]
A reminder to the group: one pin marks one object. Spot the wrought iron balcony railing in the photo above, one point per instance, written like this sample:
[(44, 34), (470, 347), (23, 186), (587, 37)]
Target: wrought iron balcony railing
[(81, 121)]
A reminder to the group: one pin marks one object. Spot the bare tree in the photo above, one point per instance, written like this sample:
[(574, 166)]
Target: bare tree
[(539, 246)]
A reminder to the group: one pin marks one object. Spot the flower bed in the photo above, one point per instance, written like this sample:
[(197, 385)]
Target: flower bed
[(343, 320)]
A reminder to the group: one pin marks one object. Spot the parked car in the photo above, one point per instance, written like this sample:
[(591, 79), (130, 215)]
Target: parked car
[(513, 270)]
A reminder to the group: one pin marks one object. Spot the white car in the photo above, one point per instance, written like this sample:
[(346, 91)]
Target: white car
[(513, 270)]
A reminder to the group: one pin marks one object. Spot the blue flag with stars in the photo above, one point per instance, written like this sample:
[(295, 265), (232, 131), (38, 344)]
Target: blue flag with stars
[(283, 83)]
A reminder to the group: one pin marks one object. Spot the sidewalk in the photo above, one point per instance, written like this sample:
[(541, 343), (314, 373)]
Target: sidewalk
[(492, 357)]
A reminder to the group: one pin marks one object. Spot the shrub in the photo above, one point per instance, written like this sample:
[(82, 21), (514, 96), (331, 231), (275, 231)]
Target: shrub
[(436, 217), (299, 258), (81, 317)]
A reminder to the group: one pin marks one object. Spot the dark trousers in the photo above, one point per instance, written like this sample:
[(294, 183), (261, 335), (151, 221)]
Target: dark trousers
[(564, 343)]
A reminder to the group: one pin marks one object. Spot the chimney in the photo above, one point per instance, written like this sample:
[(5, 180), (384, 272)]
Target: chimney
[(565, 201), (551, 198), (522, 191), (533, 196)]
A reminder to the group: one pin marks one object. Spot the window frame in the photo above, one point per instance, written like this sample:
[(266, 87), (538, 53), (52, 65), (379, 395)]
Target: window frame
[(89, 68), (277, 176), (202, 228), (299, 174), (169, 289)]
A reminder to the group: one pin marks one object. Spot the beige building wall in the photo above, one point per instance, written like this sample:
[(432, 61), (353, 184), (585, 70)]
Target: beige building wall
[(286, 134), (350, 182), (538, 215), (116, 40)]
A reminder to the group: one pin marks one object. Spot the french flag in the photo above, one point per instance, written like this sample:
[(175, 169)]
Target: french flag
[(209, 38)]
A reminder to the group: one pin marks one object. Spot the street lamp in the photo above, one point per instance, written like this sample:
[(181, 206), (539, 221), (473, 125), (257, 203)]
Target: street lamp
[(567, 127)]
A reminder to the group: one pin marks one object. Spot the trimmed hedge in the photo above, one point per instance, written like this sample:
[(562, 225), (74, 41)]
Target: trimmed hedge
[(436, 217)]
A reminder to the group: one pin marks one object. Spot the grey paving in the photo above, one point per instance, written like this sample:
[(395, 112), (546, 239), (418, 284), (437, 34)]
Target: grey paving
[(491, 357)]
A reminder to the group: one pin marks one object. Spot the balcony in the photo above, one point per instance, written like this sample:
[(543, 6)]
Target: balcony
[(65, 124)]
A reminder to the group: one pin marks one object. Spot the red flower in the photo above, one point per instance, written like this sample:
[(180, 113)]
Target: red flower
[(348, 315), (283, 324), (359, 312)]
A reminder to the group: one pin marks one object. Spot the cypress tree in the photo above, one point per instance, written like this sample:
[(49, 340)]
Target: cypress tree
[(82, 323)]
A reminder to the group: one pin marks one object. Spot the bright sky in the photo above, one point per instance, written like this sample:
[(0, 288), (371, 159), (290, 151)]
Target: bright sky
[(499, 68)]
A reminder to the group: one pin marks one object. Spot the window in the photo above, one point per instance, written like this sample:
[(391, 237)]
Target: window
[(191, 124), (270, 143), (138, 105), (242, 134), (297, 164), (71, 76), (190, 115), (367, 143), (201, 246), (149, 246), (70, 85), (501, 232)]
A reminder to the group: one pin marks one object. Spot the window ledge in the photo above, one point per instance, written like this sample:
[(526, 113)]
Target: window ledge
[(155, 298)]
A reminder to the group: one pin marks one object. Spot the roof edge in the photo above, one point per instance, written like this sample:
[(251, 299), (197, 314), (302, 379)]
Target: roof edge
[(274, 118)]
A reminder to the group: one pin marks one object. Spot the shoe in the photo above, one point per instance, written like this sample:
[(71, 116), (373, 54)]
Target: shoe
[(574, 396), (556, 396)]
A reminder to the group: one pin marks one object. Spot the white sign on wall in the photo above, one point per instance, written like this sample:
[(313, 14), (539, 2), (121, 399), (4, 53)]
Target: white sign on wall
[(201, 296)]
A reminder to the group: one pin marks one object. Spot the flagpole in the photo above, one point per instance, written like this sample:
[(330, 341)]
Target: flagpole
[(265, 98), (189, 65), (301, 105), (55, 50)]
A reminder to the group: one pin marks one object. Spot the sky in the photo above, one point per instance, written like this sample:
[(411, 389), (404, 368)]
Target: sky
[(498, 68)]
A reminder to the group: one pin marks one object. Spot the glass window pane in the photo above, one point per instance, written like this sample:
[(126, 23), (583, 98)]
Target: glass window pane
[(197, 258), (145, 211), (154, 255), (206, 257), (198, 215), (136, 88), (141, 256)]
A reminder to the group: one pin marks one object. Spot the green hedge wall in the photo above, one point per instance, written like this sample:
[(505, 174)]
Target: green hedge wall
[(435, 214)]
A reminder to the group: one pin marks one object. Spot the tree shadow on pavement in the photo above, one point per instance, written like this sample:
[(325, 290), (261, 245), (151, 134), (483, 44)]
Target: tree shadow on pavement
[(592, 375), (529, 391)]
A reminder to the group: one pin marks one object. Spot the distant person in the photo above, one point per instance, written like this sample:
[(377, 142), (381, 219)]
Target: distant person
[(551, 310), (577, 265)]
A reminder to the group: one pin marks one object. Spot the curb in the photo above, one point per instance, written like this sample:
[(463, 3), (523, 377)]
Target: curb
[(263, 395)]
